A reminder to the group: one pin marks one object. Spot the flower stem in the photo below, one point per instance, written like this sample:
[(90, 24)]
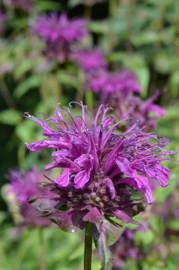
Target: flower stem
[(88, 250), (42, 257), (89, 100)]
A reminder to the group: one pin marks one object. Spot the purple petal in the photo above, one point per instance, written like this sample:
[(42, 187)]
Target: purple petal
[(81, 179), (158, 110), (63, 179), (82, 160), (124, 165), (47, 144), (110, 185)]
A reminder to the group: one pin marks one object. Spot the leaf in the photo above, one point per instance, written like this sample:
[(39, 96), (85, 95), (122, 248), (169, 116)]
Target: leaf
[(24, 67), (105, 234), (26, 85), (10, 117), (67, 79), (45, 5)]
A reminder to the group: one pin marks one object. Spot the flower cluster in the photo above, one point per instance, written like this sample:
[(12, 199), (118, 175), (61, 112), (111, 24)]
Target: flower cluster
[(24, 185), (59, 33), (101, 169)]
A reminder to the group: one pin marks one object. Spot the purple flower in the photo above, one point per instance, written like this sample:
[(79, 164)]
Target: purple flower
[(24, 186), (101, 169), (106, 83), (134, 107), (25, 4), (59, 33), (91, 60), (117, 90), (2, 18), (124, 249)]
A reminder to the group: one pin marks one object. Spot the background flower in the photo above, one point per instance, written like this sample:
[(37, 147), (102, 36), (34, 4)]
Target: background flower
[(59, 33), (24, 185)]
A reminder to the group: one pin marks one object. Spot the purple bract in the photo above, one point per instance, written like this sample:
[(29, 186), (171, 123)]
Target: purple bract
[(101, 169)]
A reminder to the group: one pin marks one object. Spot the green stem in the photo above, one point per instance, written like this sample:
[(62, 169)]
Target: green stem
[(42, 254), (88, 250), (112, 7), (89, 100)]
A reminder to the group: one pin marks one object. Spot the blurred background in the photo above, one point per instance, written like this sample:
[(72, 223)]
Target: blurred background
[(43, 48)]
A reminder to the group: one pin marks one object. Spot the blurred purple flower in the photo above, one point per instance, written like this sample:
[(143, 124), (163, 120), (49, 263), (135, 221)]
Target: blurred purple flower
[(91, 60), (21, 4), (2, 18), (136, 108), (117, 90), (59, 33), (101, 169), (124, 249), (24, 185), (106, 83)]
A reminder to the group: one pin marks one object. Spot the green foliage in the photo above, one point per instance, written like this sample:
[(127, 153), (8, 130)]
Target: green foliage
[(139, 35)]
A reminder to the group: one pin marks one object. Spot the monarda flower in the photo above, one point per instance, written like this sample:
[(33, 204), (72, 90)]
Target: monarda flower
[(107, 83), (135, 108), (59, 33), (23, 185), (101, 171), (91, 60), (119, 91)]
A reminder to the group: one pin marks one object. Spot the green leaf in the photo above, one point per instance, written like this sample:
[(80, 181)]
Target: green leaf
[(45, 5), (10, 117), (175, 83), (67, 79), (105, 234), (23, 68), (26, 85)]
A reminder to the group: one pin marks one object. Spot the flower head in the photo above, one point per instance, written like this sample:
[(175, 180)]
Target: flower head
[(106, 83), (91, 60), (136, 108), (118, 90), (23, 185), (101, 169), (59, 33)]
